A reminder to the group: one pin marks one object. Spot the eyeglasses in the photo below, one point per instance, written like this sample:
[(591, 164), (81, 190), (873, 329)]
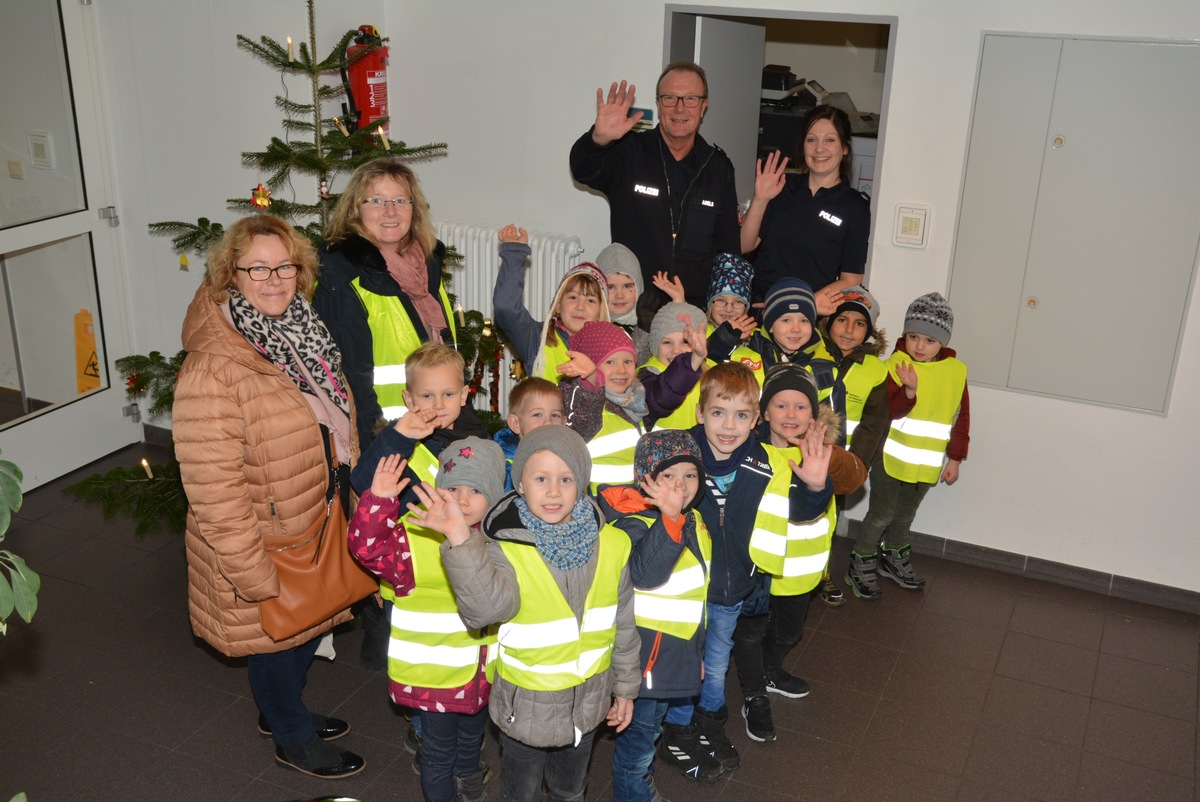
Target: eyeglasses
[(689, 101), (379, 203), (725, 303), (262, 273)]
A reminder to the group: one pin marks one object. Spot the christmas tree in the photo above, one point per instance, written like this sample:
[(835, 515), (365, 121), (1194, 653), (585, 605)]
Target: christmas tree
[(322, 147)]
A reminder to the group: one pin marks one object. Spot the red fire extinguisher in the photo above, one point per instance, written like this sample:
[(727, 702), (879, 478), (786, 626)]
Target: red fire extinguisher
[(367, 79)]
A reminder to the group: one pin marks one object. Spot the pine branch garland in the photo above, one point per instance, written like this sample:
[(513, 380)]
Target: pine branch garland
[(155, 504)]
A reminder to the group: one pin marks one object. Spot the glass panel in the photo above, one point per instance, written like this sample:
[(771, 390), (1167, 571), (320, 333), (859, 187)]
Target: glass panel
[(51, 342), (39, 153)]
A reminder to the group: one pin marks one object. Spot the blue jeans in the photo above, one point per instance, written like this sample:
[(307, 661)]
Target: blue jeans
[(633, 755), (277, 680), (522, 768), (718, 645), (450, 747)]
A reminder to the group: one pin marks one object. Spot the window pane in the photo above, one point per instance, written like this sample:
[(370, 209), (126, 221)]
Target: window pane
[(39, 153), (51, 342)]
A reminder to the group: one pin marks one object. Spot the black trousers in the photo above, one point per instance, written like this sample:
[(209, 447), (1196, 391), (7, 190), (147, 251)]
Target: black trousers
[(760, 642)]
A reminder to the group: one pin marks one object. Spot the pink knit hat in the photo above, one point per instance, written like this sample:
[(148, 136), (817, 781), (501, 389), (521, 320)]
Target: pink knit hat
[(598, 341)]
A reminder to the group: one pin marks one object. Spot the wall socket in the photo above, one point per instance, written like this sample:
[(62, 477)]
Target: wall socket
[(16, 169)]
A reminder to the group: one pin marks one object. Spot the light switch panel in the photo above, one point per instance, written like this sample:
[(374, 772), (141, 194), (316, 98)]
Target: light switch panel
[(912, 225)]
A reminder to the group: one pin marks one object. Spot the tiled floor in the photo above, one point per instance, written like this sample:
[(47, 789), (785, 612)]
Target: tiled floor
[(984, 686)]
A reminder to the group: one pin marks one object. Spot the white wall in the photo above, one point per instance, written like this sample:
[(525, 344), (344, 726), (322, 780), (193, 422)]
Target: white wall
[(510, 91)]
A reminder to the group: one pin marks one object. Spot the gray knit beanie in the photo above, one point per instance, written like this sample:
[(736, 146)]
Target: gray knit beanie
[(930, 315), (473, 462), (565, 443), (617, 258), (666, 321), (857, 299)]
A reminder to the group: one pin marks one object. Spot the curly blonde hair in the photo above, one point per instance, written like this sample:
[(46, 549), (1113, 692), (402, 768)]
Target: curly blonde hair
[(347, 217), (224, 254)]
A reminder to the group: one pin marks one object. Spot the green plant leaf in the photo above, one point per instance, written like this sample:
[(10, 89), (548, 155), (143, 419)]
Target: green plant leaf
[(7, 599), (25, 586), (5, 519)]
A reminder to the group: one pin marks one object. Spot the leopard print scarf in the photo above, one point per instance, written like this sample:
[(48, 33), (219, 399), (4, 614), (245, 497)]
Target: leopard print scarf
[(298, 332)]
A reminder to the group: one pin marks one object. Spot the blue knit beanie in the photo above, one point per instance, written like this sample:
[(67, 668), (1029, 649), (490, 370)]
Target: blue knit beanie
[(786, 296), (731, 275)]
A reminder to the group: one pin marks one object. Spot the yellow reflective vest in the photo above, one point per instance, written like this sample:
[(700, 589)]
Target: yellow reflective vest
[(430, 646), (544, 647), (677, 607), (393, 338), (425, 466), (915, 449), (555, 355), (794, 554), (612, 451), (860, 379)]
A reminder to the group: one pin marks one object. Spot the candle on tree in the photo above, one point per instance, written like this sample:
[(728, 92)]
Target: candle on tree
[(383, 140), (291, 51), (146, 468)]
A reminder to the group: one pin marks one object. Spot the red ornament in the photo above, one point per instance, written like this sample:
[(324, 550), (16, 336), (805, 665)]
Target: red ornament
[(260, 196)]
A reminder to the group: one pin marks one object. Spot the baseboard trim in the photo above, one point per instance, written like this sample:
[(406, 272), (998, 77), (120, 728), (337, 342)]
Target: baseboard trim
[(1120, 587)]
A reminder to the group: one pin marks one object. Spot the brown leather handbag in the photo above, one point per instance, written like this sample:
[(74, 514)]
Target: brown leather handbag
[(318, 578)]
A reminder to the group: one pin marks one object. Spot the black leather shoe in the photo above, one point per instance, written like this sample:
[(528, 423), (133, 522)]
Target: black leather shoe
[(319, 759), (328, 729)]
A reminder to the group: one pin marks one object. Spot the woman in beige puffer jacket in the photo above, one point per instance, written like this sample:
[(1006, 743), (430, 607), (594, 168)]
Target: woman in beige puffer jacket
[(250, 445)]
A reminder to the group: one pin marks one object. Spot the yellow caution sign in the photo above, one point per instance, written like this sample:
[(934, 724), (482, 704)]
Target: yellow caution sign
[(87, 366)]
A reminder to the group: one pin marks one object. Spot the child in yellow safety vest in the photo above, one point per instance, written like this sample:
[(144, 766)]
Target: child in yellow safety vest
[(603, 400), (927, 442), (672, 375), (801, 447), (729, 322), (669, 566), (436, 413), (436, 665), (542, 344), (557, 580), (860, 392)]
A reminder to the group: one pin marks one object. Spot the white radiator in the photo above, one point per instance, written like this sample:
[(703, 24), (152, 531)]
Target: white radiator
[(475, 277)]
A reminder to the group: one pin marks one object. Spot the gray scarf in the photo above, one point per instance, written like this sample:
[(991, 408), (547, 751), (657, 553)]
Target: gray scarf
[(566, 545)]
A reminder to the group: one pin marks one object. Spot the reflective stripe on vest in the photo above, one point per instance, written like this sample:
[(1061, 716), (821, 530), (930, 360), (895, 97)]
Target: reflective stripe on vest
[(915, 449), (677, 606), (430, 647), (612, 451), (683, 416), (425, 466), (544, 647), (794, 554), (393, 338), (859, 379)]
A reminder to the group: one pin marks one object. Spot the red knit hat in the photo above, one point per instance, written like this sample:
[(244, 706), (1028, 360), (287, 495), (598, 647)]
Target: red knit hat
[(598, 341)]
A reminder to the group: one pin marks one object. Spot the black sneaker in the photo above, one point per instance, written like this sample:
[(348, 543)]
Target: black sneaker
[(470, 788), (894, 564), (786, 684), (713, 740), (759, 725), (320, 759), (412, 741), (861, 576), (679, 747), (484, 774), (830, 593)]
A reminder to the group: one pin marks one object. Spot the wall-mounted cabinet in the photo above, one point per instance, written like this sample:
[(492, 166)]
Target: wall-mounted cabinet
[(1080, 217)]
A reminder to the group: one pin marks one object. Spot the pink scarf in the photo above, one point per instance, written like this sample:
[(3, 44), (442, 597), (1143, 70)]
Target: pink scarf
[(410, 272)]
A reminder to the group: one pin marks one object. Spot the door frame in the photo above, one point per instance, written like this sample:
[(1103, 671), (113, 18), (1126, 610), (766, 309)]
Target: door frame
[(50, 443)]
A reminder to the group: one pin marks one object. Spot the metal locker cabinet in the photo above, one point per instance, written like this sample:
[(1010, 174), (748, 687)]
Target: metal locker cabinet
[(1111, 244)]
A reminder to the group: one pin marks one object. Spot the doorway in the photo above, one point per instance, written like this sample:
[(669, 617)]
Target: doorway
[(62, 305), (841, 59)]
